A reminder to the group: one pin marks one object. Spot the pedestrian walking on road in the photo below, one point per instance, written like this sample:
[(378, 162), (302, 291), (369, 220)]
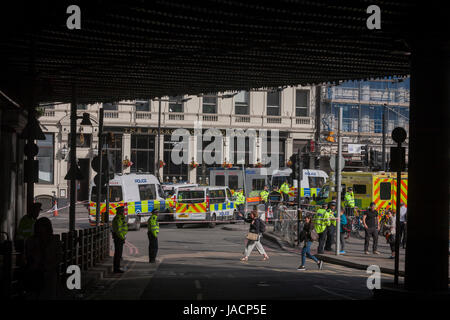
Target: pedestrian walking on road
[(331, 227), (349, 202), (372, 227), (153, 230), (257, 227), (119, 233), (342, 230), (306, 236), (402, 234), (43, 252), (389, 232)]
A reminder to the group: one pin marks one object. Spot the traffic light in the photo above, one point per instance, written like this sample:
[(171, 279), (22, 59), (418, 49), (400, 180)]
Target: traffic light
[(372, 158), (294, 165), (365, 155), (101, 178)]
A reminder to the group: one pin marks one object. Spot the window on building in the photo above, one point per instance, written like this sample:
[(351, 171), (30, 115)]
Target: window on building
[(114, 142), (143, 153), (242, 102), (142, 105), (172, 170), (114, 106), (273, 103), (220, 181), (45, 158), (175, 104), (301, 103), (209, 104), (84, 140), (233, 182), (267, 150), (385, 191), (242, 156), (147, 192), (359, 188)]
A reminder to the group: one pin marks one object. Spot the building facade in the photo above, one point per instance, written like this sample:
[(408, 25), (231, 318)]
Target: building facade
[(131, 130), (363, 104)]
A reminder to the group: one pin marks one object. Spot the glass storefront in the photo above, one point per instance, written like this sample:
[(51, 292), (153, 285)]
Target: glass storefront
[(45, 157)]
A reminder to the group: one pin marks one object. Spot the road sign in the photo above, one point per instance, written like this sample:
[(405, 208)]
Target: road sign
[(333, 162)]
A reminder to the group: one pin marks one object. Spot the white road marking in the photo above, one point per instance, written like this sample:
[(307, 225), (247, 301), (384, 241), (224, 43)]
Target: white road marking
[(334, 293)]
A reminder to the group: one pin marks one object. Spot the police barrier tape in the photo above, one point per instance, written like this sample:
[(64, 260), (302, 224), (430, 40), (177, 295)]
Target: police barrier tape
[(55, 209)]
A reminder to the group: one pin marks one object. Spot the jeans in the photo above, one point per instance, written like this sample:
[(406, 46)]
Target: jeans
[(307, 252), (322, 240), (371, 232), (403, 234), (118, 249), (241, 210), (342, 237), (152, 246), (331, 230)]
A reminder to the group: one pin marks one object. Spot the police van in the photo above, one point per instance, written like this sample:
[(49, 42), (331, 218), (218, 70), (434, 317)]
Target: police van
[(204, 204), (310, 185), (138, 193)]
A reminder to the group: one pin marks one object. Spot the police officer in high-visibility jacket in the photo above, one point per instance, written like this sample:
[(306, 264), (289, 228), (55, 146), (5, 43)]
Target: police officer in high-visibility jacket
[(331, 227), (349, 202), (285, 191), (152, 233), (240, 202), (320, 224), (265, 198), (119, 233)]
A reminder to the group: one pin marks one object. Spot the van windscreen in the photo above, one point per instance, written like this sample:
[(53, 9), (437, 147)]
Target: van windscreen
[(147, 192), (186, 196)]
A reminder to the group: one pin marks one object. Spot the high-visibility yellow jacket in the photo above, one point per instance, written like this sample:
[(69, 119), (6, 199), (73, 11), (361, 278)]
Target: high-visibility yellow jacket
[(153, 225), (284, 188), (349, 200), (26, 228), (120, 226), (240, 199), (329, 216), (264, 195), (319, 221)]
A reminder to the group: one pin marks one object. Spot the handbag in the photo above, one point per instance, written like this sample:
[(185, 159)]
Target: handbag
[(314, 235), (252, 236)]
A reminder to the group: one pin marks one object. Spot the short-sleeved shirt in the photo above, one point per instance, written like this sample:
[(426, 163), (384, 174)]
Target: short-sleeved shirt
[(371, 218)]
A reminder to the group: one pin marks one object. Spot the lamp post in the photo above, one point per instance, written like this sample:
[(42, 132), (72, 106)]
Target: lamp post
[(74, 172)]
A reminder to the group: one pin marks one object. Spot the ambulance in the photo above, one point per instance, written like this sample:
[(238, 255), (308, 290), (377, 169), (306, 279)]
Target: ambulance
[(378, 187), (138, 193), (204, 205)]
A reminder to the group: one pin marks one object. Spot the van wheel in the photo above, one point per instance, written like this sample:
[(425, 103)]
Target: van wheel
[(212, 222), (179, 225)]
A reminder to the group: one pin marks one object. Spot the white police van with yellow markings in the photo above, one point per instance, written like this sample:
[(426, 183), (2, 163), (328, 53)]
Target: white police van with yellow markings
[(204, 204), (138, 193)]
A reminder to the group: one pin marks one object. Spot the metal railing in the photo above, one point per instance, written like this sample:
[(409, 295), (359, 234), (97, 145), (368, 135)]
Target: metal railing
[(84, 248)]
